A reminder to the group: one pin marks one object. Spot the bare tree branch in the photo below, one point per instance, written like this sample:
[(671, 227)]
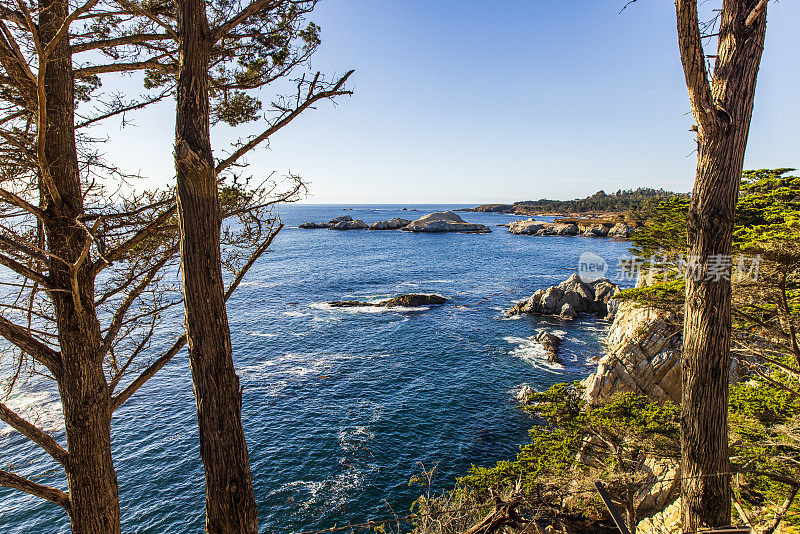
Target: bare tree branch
[(125, 109), (25, 271), (125, 394), (138, 38), (136, 8), (35, 434), (136, 239), (20, 337), (119, 315), (251, 9), (11, 480), (64, 28), (694, 65), (11, 198), (336, 90), (119, 399), (752, 17), (121, 67)]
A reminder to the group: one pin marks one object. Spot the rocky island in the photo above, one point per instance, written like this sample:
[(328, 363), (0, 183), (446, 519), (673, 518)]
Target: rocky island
[(570, 298), (443, 221), (570, 227), (411, 300)]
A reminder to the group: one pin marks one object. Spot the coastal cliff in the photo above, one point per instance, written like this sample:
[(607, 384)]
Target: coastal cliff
[(642, 356)]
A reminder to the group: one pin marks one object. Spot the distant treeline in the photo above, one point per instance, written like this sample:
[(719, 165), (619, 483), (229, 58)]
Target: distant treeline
[(637, 200)]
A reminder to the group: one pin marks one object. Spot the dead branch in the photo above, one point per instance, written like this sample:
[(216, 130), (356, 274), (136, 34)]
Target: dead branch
[(20, 337), (35, 434), (253, 8), (11, 480), (287, 117)]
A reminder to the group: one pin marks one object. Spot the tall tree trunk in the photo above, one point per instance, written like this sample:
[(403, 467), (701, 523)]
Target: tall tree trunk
[(93, 492), (230, 502), (723, 111)]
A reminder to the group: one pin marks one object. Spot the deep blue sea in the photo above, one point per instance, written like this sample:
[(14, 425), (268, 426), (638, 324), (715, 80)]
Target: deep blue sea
[(342, 406)]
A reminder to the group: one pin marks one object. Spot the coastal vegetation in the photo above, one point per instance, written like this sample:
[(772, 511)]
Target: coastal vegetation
[(89, 259), (575, 441), (633, 204)]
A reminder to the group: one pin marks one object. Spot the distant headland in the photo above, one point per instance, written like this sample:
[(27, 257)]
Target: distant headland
[(629, 205)]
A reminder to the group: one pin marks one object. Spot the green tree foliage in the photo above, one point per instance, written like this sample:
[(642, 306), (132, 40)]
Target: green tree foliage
[(633, 199), (637, 203), (573, 444)]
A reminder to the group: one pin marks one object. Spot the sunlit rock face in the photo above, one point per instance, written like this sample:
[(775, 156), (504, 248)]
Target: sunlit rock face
[(570, 298), (445, 221), (642, 356)]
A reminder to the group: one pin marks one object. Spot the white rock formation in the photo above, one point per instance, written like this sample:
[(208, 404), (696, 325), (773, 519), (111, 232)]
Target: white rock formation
[(445, 221), (392, 224), (619, 230)]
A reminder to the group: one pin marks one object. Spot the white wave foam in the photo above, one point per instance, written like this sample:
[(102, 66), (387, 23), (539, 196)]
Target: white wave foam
[(311, 496), (40, 407), (295, 314), (279, 373), (531, 351), (260, 334), (356, 438)]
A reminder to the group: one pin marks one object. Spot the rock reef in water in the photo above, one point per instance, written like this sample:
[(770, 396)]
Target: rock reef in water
[(445, 221), (550, 343), (394, 223), (543, 228), (343, 222), (411, 300), (570, 298)]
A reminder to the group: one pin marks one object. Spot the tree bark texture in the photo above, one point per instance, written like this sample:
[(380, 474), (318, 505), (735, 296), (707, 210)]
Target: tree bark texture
[(230, 502), (723, 110), (93, 491)]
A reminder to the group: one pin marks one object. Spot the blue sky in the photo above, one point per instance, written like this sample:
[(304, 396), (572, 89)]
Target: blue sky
[(472, 102)]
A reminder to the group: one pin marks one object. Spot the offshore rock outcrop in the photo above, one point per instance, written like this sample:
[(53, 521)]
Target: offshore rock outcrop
[(568, 228), (411, 300), (394, 223), (445, 221), (550, 343), (343, 222), (541, 228), (570, 298)]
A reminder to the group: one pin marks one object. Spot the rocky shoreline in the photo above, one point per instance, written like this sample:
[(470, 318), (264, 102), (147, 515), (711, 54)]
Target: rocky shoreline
[(587, 228), (642, 356), (447, 221)]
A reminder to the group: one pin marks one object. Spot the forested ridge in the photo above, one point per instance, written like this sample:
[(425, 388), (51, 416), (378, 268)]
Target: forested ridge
[(640, 199)]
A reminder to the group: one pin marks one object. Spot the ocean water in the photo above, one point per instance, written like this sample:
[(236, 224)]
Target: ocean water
[(342, 406)]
